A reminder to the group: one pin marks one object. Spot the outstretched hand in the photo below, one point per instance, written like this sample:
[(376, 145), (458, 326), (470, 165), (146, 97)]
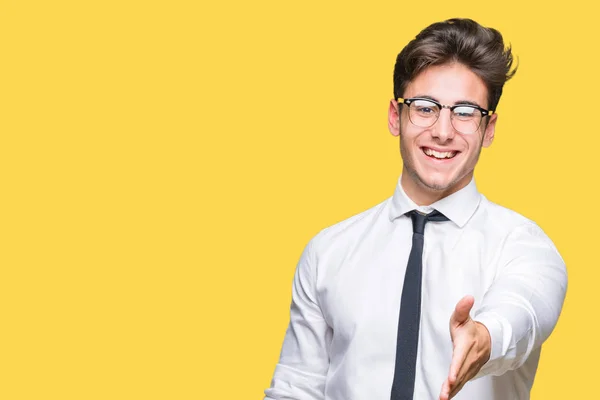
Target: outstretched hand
[(472, 347)]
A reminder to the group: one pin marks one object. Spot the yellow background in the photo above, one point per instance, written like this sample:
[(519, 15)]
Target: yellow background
[(163, 164)]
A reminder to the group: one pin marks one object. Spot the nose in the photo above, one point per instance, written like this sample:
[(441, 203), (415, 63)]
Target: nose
[(443, 129)]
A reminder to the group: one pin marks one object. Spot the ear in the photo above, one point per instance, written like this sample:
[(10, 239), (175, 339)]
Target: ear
[(394, 118), (490, 130)]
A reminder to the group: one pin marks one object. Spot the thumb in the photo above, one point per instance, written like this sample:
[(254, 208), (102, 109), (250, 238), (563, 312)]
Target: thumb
[(462, 310)]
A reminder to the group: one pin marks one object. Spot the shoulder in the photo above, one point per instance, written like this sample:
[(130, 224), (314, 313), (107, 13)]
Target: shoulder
[(501, 217), (503, 220), (513, 229), (343, 233)]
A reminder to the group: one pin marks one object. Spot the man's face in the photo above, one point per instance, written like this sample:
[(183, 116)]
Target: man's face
[(427, 178)]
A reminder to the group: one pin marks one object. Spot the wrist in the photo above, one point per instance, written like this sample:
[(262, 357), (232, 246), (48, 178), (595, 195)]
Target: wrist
[(484, 341)]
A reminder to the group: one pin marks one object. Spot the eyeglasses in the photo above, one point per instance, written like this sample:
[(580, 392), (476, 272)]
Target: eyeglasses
[(465, 118)]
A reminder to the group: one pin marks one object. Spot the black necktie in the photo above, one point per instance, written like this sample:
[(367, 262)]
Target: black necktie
[(410, 310)]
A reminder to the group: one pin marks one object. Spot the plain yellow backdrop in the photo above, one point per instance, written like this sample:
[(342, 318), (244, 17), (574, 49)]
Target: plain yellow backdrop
[(163, 164)]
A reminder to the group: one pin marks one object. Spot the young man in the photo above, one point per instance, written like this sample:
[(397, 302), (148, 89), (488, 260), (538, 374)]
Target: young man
[(437, 292)]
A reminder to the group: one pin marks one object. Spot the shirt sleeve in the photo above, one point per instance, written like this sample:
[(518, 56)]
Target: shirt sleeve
[(304, 360), (522, 306)]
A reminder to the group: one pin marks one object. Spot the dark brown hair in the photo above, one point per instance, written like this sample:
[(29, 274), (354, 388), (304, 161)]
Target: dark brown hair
[(457, 40)]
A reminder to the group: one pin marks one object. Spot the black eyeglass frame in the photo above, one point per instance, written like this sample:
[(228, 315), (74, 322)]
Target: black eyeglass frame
[(484, 112)]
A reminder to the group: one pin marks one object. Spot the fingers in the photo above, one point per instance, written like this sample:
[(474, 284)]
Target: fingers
[(456, 389), (462, 338), (461, 350), (445, 392), (464, 376), (462, 310), (451, 387), (467, 370)]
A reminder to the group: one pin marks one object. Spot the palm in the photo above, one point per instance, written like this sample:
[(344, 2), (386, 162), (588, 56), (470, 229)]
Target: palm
[(471, 348)]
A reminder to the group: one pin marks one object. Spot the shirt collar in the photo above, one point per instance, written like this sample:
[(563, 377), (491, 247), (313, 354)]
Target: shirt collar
[(458, 207)]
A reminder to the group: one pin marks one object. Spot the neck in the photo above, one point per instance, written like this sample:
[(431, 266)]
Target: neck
[(424, 195)]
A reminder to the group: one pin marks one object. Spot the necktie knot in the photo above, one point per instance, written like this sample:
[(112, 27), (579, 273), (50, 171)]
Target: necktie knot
[(419, 219)]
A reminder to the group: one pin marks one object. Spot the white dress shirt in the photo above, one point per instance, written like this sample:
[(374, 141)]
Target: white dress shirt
[(341, 340)]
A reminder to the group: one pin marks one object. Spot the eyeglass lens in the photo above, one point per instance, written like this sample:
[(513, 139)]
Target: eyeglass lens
[(465, 119)]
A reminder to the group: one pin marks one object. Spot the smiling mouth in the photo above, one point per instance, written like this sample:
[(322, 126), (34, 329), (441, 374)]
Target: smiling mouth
[(439, 155)]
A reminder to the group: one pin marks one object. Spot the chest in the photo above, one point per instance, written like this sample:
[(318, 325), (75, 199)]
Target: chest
[(361, 288)]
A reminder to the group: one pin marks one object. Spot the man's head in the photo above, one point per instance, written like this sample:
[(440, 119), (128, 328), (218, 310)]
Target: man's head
[(455, 62)]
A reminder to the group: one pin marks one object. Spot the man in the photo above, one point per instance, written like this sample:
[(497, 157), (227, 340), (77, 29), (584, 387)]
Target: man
[(436, 292)]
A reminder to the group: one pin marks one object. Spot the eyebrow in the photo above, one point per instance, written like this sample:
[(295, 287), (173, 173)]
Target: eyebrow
[(459, 102)]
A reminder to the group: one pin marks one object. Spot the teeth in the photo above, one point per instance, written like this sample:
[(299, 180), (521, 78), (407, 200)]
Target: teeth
[(438, 154)]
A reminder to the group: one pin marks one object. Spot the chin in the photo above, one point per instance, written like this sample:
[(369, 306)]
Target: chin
[(438, 184)]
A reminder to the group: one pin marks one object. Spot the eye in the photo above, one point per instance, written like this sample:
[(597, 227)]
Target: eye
[(425, 108), (465, 112)]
